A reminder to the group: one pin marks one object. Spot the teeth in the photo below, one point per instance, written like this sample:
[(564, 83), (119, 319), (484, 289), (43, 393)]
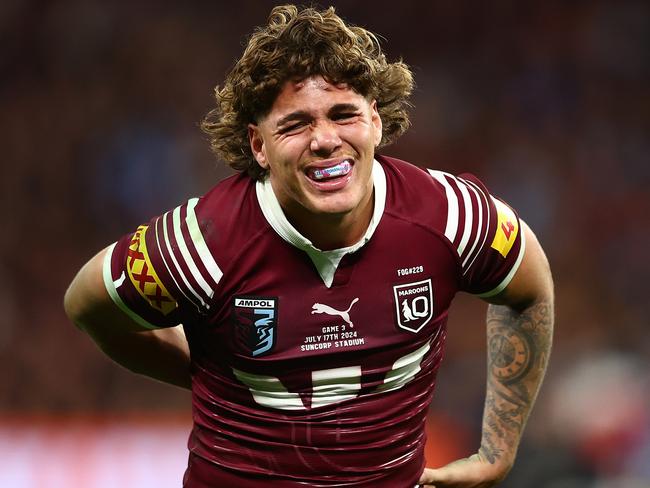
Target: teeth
[(333, 171)]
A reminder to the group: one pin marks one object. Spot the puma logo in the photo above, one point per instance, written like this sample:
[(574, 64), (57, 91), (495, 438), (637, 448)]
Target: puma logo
[(345, 314)]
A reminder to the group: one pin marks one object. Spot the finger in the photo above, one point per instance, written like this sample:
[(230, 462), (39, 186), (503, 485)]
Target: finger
[(430, 476), (449, 473)]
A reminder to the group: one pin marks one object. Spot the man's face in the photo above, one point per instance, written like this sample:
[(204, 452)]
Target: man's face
[(318, 143)]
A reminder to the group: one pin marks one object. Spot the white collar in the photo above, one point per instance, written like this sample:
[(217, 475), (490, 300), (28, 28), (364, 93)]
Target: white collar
[(326, 262)]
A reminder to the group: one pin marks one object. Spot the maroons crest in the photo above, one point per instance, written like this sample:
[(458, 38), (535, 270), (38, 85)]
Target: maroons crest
[(413, 305)]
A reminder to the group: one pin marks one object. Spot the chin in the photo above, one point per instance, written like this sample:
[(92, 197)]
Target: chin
[(334, 205)]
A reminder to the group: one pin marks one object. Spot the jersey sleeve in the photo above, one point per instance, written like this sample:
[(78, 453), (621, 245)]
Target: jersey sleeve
[(163, 273), (485, 232)]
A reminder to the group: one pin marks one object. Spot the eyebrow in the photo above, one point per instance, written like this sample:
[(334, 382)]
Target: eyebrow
[(302, 115), (297, 115)]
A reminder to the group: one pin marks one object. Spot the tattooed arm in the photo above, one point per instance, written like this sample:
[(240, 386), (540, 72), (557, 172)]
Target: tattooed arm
[(519, 336)]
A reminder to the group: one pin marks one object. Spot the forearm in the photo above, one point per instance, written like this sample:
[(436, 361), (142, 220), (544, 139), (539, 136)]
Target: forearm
[(519, 345), (161, 354)]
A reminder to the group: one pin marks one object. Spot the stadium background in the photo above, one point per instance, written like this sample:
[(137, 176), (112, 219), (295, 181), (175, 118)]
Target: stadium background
[(548, 101)]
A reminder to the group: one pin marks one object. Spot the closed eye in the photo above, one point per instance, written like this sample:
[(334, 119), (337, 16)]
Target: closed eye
[(291, 128), (344, 116)]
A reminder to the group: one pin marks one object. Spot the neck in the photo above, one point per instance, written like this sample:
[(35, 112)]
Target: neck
[(333, 231)]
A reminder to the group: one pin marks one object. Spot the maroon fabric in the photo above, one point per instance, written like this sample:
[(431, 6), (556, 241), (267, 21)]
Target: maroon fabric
[(396, 290)]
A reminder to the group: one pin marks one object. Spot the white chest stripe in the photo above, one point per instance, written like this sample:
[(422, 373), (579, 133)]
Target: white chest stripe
[(269, 391), (404, 370), (330, 386), (335, 385)]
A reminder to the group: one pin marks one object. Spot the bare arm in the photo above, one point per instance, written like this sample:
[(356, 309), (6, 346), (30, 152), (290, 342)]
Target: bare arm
[(162, 354), (519, 337)]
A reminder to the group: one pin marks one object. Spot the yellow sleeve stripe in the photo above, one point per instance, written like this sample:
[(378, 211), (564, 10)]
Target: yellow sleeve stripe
[(507, 228), (144, 276), (506, 281), (112, 286)]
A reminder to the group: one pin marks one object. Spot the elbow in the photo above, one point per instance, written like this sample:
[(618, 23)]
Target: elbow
[(68, 304), (72, 306), (85, 299)]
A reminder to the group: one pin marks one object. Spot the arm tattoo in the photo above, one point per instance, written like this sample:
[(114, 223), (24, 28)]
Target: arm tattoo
[(518, 349)]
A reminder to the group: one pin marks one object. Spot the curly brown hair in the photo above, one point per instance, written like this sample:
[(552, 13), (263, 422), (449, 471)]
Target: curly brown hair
[(295, 44)]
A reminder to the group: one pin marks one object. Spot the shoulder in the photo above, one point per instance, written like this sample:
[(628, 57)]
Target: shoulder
[(433, 197), (175, 263), (226, 219), (408, 185), (414, 194), (226, 201), (403, 174), (214, 221), (481, 230)]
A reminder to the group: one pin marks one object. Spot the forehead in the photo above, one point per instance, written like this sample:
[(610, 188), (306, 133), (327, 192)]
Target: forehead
[(312, 95), (317, 83)]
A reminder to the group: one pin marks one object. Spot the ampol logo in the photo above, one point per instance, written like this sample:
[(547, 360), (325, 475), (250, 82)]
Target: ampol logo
[(414, 305), (256, 319)]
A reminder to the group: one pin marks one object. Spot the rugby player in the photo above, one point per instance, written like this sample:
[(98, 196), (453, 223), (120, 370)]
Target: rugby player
[(313, 286)]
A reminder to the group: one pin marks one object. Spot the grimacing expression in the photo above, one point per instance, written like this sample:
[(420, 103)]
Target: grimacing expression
[(318, 143)]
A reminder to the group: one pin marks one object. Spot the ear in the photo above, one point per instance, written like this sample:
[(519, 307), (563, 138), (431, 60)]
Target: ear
[(376, 122), (257, 145)]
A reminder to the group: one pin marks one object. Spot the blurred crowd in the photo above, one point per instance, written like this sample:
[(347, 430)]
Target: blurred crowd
[(547, 101)]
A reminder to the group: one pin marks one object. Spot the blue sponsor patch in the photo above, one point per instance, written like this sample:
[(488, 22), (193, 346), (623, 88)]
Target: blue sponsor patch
[(256, 319)]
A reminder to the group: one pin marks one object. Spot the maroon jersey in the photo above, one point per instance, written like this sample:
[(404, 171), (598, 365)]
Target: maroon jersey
[(314, 368)]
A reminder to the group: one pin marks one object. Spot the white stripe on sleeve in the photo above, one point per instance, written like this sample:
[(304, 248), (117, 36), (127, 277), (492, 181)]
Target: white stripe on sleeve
[(112, 286), (169, 270), (482, 232), (479, 225), (468, 213), (506, 281), (170, 250), (185, 252), (452, 204), (199, 243)]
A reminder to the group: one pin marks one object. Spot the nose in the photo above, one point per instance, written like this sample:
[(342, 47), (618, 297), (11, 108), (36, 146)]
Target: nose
[(325, 138)]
